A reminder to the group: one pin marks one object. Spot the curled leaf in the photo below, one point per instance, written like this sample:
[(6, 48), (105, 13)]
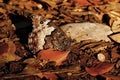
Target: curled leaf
[(99, 69), (53, 55)]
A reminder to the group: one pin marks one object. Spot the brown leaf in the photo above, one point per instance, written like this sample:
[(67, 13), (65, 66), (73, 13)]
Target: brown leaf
[(27, 4), (53, 55), (115, 37), (111, 77), (115, 24), (49, 76), (30, 70), (2, 10), (1, 0), (99, 69), (3, 48), (52, 3), (114, 53), (81, 2), (7, 52)]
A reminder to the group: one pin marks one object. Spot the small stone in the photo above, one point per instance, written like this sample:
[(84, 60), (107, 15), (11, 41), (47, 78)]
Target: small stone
[(39, 6), (101, 57), (69, 74)]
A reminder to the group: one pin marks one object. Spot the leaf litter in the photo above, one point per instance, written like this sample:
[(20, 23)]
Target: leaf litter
[(62, 56)]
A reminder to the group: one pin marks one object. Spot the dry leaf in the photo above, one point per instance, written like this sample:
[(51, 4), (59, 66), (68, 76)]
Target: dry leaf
[(87, 30), (27, 4), (7, 51), (116, 25), (115, 37), (48, 76), (2, 10), (81, 3), (114, 53), (30, 69), (99, 69), (53, 55), (1, 0), (111, 77), (34, 63), (3, 48), (52, 3)]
